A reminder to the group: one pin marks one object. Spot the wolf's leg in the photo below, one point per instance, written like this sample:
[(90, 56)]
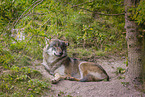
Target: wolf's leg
[(72, 78), (57, 78), (89, 78), (86, 78)]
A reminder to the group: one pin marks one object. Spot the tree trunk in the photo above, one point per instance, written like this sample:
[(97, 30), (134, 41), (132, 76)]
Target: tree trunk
[(134, 44), (143, 75)]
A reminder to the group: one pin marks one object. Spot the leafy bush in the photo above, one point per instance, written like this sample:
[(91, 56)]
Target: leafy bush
[(59, 19), (120, 70), (22, 82), (6, 58), (84, 53)]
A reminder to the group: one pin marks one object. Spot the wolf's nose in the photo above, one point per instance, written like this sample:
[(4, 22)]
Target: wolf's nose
[(60, 53)]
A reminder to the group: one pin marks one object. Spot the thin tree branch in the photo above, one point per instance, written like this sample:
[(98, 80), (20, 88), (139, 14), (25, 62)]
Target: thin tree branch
[(109, 14), (99, 13), (27, 10), (33, 7), (46, 22), (24, 48), (82, 3)]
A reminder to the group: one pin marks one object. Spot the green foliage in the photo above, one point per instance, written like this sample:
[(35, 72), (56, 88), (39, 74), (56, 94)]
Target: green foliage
[(120, 70), (87, 25), (62, 94), (75, 25), (139, 13), (84, 53), (24, 24), (5, 58), (67, 20), (15, 47), (125, 83), (121, 77), (78, 22), (22, 82)]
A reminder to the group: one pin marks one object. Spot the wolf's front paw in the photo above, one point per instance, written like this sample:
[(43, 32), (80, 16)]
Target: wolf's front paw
[(69, 78)]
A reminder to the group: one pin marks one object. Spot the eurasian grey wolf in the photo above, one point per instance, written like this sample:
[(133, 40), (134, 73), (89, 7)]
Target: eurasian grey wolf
[(62, 67)]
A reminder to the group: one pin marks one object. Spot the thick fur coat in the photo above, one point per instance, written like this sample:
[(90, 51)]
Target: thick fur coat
[(58, 64)]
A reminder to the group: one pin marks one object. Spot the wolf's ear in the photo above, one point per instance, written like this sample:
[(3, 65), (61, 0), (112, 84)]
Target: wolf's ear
[(66, 43), (47, 40)]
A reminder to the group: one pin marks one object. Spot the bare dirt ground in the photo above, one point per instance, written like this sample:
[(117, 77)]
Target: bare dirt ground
[(113, 88)]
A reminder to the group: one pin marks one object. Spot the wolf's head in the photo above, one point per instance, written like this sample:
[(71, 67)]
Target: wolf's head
[(56, 47)]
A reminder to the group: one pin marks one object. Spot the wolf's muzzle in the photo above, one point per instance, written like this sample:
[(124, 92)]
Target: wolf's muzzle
[(58, 54)]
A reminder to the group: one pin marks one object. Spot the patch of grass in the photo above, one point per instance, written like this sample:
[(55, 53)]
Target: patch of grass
[(125, 83), (22, 82), (120, 70), (24, 61), (62, 94), (100, 53), (121, 77), (87, 53)]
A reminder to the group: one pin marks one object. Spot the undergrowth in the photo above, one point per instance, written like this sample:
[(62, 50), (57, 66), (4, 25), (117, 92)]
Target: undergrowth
[(84, 52), (22, 82)]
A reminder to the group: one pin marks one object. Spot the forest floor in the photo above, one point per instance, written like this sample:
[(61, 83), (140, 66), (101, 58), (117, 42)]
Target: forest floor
[(118, 86)]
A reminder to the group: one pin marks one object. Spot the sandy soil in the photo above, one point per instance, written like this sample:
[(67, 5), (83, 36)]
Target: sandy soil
[(113, 88)]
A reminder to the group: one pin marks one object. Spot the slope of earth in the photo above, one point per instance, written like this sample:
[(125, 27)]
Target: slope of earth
[(113, 88)]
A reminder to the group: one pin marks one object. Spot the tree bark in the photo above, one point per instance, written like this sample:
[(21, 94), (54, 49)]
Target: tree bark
[(134, 43), (143, 75)]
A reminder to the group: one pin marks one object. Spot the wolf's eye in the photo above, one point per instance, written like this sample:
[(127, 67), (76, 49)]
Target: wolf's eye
[(63, 45)]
